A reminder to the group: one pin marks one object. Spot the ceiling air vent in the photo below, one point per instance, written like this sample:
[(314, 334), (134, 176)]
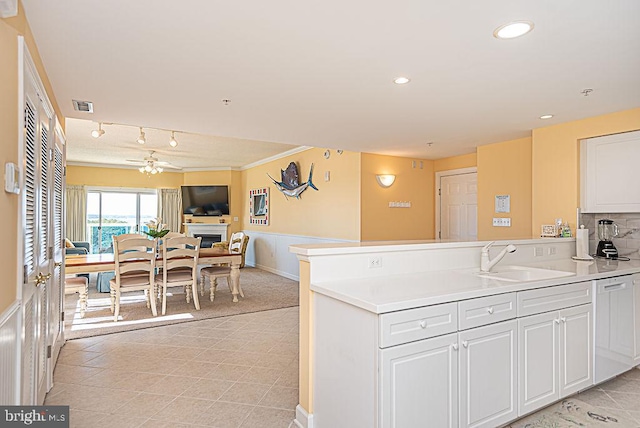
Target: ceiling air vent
[(86, 106), (8, 8)]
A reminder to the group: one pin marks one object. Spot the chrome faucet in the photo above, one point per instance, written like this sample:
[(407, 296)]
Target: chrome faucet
[(486, 264)]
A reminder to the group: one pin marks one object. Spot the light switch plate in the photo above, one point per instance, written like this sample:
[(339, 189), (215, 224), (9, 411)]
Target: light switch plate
[(11, 178), (502, 221)]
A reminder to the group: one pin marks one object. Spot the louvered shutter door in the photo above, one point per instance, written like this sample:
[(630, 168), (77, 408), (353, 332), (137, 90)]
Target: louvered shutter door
[(44, 194), (30, 188)]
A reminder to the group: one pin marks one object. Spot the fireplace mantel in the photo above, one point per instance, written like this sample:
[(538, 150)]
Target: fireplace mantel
[(207, 228)]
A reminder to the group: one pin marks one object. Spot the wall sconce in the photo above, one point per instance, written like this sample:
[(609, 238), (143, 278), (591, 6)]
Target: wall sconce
[(385, 180)]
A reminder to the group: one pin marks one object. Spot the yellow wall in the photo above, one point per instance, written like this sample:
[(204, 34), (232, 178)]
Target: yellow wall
[(415, 185), (505, 169), (10, 29), (455, 162), (230, 178), (116, 177), (556, 164), (331, 212)]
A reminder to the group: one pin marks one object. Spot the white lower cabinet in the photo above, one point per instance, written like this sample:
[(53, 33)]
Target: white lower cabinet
[(419, 383), (636, 317), (554, 356), (488, 376), (465, 379)]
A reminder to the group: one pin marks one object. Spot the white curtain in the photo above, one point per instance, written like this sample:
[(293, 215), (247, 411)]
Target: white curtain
[(170, 208), (76, 213)]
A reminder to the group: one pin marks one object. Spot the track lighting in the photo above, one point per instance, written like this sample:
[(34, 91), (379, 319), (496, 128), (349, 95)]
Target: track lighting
[(141, 139), (97, 133), (172, 141)]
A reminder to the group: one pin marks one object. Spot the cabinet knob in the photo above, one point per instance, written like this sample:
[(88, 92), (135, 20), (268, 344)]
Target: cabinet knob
[(490, 310), (563, 319), (465, 343), (455, 346), (557, 320), (423, 324)]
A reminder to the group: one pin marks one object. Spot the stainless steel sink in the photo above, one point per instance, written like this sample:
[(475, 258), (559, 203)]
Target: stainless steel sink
[(523, 274)]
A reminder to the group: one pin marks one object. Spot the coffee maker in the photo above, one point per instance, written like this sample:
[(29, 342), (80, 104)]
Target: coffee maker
[(607, 230)]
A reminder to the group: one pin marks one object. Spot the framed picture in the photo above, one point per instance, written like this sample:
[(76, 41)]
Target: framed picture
[(259, 206)]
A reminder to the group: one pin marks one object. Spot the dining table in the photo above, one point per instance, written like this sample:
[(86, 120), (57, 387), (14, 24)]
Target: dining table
[(92, 263)]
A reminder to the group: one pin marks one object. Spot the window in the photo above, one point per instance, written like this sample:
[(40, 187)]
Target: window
[(114, 212)]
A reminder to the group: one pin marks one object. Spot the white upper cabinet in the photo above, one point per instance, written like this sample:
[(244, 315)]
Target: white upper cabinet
[(609, 173)]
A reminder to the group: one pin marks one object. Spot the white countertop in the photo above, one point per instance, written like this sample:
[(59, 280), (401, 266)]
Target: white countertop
[(400, 292)]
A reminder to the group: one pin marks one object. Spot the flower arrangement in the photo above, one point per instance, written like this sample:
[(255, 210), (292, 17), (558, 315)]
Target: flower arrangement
[(156, 228)]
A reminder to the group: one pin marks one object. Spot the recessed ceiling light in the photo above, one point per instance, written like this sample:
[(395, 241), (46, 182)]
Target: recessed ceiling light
[(546, 116), (513, 30), (401, 80)]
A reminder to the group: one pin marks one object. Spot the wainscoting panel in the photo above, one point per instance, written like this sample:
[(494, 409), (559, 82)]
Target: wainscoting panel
[(270, 251), (9, 367)]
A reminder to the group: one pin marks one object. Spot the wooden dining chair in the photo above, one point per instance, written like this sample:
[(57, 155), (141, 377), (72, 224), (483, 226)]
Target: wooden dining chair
[(80, 285), (179, 267), (135, 261), (238, 244)]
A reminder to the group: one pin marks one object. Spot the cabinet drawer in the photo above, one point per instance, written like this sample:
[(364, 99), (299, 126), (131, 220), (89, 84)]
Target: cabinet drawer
[(486, 310), (553, 298), (416, 324)]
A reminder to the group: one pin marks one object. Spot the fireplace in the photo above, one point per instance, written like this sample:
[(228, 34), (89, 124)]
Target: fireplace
[(208, 239), (210, 232)]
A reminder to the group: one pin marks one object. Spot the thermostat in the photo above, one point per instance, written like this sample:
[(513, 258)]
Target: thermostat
[(11, 178)]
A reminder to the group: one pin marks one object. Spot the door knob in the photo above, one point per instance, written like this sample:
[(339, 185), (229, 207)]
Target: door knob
[(563, 319), (41, 279), (423, 324), (557, 321), (490, 310), (465, 343), (57, 264), (455, 346)]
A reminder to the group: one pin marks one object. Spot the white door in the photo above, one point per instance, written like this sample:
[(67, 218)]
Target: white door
[(419, 384), (538, 372), (576, 350), (459, 207), (36, 228), (488, 375), (56, 295)]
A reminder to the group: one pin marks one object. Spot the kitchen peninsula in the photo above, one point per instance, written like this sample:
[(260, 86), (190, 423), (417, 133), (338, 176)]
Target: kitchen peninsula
[(405, 333)]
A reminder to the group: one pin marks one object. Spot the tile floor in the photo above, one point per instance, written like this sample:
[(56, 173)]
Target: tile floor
[(237, 371)]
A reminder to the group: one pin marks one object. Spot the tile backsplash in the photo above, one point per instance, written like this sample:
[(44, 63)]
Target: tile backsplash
[(628, 240)]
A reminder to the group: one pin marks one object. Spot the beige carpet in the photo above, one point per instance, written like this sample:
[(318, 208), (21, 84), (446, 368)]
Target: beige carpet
[(262, 290)]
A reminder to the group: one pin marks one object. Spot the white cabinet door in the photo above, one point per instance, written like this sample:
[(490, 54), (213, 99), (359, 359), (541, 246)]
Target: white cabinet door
[(537, 361), (488, 375), (419, 384), (636, 316), (576, 349), (606, 164)]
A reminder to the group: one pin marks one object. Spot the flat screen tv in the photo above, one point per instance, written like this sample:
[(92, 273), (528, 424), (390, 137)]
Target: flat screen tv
[(205, 200)]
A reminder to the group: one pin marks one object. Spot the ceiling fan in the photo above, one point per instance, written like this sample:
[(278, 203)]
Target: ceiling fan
[(151, 165)]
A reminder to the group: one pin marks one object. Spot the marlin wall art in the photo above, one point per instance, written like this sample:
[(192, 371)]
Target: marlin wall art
[(290, 186)]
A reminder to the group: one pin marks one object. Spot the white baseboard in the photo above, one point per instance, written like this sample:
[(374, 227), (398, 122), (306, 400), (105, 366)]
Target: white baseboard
[(303, 419), (277, 272), (9, 355)]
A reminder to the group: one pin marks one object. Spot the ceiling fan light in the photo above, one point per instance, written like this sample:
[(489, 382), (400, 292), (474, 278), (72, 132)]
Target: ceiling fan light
[(141, 169), (147, 168), (159, 170), (154, 171)]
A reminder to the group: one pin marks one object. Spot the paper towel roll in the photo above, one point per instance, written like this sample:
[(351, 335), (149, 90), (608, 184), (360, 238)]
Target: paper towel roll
[(582, 243)]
